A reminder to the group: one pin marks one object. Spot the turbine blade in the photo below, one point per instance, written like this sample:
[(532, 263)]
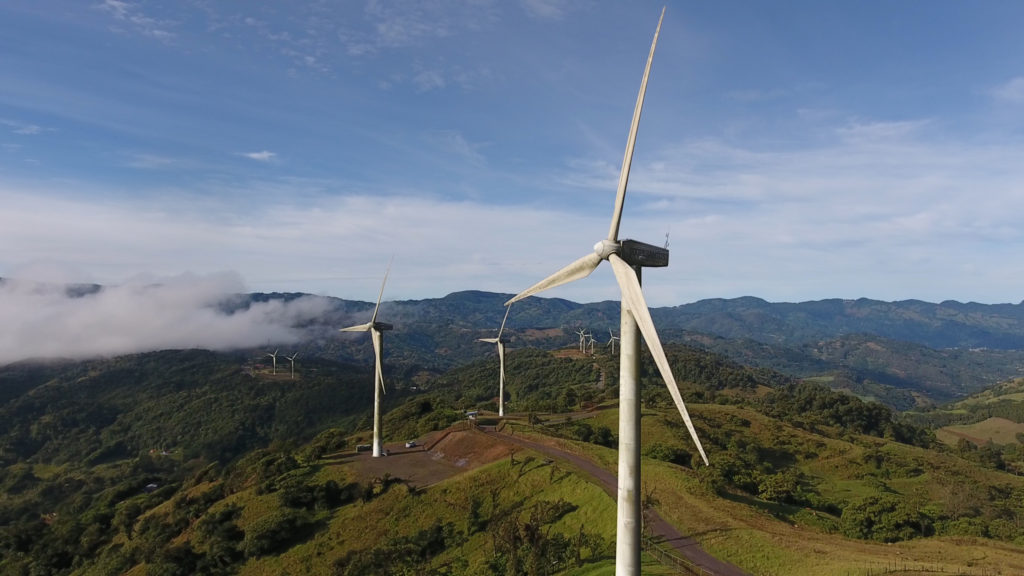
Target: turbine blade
[(488, 340), (633, 297), (627, 160), (578, 269), (358, 328), (507, 310), (381, 295), (378, 359)]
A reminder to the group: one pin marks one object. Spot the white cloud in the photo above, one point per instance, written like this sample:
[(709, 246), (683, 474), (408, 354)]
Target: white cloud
[(1012, 91), (262, 156), (41, 320)]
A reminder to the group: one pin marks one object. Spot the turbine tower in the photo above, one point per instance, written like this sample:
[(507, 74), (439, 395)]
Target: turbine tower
[(376, 330), (583, 338), (292, 359), (501, 363), (274, 356), (627, 258)]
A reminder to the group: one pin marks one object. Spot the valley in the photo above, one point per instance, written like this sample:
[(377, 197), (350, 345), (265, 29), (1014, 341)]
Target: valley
[(192, 461)]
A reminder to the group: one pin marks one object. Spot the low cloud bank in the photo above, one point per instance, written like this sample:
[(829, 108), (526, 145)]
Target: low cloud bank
[(47, 320)]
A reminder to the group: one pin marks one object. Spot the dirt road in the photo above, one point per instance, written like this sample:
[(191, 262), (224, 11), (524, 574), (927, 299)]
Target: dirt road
[(684, 546)]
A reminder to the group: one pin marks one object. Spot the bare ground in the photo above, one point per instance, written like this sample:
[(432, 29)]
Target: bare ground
[(459, 452)]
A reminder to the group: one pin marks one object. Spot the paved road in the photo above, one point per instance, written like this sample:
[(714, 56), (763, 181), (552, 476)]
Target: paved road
[(685, 546)]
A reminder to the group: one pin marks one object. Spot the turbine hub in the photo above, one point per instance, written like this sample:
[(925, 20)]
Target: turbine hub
[(606, 248)]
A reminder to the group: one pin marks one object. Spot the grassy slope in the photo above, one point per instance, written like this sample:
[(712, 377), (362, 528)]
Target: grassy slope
[(768, 538), (400, 512)]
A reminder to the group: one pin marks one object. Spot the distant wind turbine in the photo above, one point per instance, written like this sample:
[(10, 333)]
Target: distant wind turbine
[(501, 362), (583, 339), (376, 330), (274, 356), (292, 358), (627, 258), (611, 340)]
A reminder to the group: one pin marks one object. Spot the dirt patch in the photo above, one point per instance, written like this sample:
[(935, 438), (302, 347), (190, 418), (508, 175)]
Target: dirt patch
[(457, 453)]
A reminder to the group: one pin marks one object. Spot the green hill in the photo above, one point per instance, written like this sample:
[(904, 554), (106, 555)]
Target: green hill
[(193, 462)]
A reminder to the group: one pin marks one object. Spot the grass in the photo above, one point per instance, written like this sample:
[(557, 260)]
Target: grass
[(755, 536), (761, 537), (996, 430), (498, 487)]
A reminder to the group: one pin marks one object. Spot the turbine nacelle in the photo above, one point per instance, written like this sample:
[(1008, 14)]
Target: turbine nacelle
[(634, 252), (637, 253)]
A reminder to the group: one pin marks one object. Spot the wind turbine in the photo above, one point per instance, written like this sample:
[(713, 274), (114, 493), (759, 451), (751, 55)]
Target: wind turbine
[(627, 258), (274, 356), (590, 342), (292, 358), (376, 330), (611, 340), (583, 338), (501, 363)]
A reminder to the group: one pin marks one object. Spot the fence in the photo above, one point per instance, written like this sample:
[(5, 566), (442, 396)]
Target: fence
[(667, 558), (897, 566)]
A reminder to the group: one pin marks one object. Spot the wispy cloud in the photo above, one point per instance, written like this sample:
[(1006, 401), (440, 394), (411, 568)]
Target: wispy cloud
[(545, 9), (428, 80), (152, 161), (453, 143), (23, 128), (131, 15), (262, 156), (1012, 91)]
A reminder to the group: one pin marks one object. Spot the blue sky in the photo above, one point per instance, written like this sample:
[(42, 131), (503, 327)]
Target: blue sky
[(792, 151)]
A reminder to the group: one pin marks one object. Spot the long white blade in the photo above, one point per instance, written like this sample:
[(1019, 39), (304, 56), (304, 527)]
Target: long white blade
[(358, 328), (488, 340), (627, 160), (500, 330), (381, 295), (378, 358), (633, 296), (578, 269)]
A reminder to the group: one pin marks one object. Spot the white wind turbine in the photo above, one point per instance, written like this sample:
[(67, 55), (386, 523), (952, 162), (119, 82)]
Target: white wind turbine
[(583, 338), (501, 362), (627, 258), (590, 342), (611, 340), (376, 330), (274, 356), (292, 359)]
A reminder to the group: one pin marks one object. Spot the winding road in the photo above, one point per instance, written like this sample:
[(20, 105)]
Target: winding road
[(683, 545)]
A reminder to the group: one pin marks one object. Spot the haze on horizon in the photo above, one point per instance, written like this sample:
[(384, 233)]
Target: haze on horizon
[(793, 153)]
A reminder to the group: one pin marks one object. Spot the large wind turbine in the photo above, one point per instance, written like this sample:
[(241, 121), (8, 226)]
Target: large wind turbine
[(627, 258), (376, 330), (501, 363)]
